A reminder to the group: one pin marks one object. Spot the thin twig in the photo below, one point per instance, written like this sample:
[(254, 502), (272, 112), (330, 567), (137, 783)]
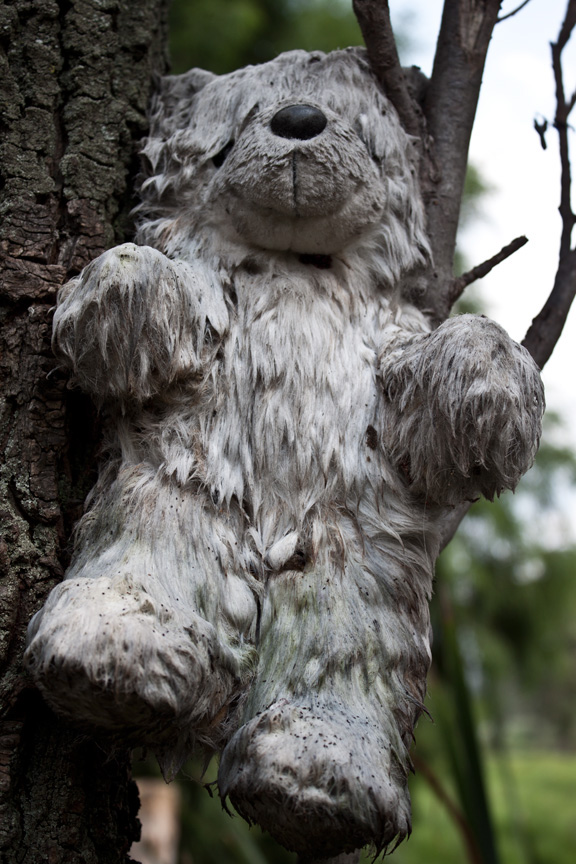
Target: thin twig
[(374, 20), (481, 270), (514, 12), (541, 129)]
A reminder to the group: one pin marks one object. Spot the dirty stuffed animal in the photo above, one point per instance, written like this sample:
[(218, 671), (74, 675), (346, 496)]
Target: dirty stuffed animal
[(285, 435)]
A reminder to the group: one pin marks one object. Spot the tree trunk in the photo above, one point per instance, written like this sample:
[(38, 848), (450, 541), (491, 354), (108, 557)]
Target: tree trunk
[(75, 78)]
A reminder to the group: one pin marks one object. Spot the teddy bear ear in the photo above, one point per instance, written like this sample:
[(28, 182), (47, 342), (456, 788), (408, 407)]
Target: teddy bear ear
[(173, 101)]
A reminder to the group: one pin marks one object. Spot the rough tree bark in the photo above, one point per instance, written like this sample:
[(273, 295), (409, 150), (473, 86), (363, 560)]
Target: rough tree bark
[(75, 77)]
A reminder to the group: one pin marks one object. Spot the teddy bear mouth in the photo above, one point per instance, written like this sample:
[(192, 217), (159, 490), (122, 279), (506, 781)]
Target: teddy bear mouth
[(298, 184), (320, 261), (313, 234)]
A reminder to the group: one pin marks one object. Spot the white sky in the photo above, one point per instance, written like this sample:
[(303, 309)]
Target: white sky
[(518, 85)]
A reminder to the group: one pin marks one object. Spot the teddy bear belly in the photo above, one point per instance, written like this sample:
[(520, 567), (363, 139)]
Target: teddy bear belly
[(293, 425), (293, 454)]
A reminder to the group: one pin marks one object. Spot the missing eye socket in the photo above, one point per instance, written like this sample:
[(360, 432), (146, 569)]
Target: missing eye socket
[(219, 159)]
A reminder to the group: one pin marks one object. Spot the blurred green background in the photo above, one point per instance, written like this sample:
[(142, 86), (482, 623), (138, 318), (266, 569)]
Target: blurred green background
[(495, 778)]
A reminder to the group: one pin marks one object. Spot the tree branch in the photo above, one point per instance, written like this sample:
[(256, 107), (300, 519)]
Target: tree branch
[(514, 12), (481, 270), (374, 20), (546, 328), (561, 124), (450, 108), (567, 25)]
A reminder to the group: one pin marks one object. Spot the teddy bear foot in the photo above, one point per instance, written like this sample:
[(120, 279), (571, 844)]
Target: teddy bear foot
[(105, 654), (320, 781)]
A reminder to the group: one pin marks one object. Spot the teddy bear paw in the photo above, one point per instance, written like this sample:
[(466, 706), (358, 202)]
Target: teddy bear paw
[(320, 781), (106, 654)]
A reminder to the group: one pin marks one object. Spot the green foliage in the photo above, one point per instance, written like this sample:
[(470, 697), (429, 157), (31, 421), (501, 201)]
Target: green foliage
[(222, 35), (531, 795), (504, 673), (514, 596), (458, 728)]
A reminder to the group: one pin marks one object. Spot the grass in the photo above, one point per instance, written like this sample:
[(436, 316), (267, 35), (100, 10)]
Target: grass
[(533, 799), (532, 795)]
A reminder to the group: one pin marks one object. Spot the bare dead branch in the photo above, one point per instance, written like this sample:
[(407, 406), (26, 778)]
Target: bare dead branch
[(514, 12), (374, 20), (541, 129), (481, 270), (546, 328), (563, 109), (567, 25)]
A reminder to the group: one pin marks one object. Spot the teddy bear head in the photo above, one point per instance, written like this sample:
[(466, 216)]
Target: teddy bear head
[(303, 156)]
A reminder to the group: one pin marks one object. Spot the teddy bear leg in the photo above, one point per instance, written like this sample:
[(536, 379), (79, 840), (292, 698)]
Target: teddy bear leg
[(322, 760), (150, 635)]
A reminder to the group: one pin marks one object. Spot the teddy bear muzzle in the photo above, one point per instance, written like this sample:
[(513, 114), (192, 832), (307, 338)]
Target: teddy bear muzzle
[(318, 187)]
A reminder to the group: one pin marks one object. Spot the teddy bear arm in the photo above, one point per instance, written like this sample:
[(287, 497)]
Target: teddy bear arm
[(465, 406), (134, 321)]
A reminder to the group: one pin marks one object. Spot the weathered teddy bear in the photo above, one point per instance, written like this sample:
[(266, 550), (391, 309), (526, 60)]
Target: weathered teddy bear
[(284, 438)]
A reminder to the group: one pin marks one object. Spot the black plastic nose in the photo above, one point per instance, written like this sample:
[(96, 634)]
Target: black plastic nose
[(298, 121)]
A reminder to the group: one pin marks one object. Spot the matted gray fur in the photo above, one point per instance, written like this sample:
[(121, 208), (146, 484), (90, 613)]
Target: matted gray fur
[(284, 439)]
